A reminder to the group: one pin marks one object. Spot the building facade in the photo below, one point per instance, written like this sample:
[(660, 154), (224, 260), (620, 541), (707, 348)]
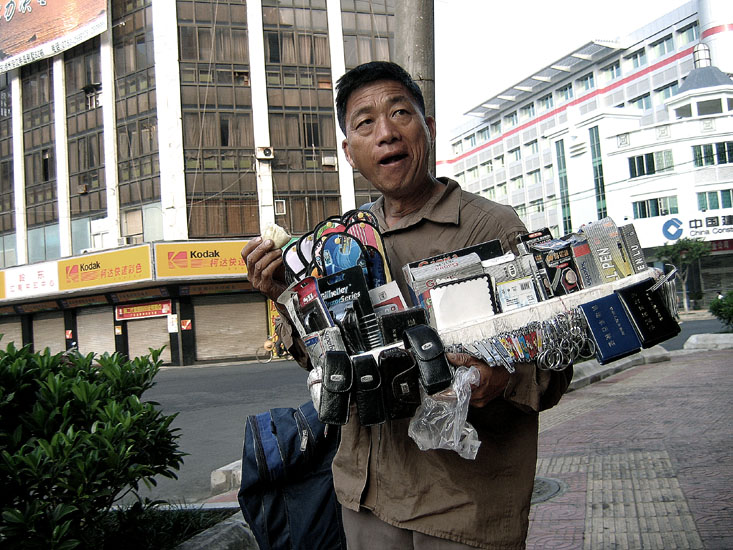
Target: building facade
[(626, 129), (141, 148)]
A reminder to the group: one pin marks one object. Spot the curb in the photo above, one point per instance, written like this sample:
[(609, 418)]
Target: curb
[(231, 534)]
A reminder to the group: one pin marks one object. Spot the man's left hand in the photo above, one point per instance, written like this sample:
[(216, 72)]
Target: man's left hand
[(493, 379)]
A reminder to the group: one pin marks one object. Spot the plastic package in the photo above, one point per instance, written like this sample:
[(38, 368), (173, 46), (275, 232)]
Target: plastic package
[(440, 420), (315, 385)]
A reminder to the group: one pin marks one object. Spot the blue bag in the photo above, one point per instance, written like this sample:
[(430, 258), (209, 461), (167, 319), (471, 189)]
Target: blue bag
[(287, 494)]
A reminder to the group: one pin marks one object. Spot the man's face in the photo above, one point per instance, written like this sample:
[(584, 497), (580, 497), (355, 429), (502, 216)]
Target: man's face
[(387, 138)]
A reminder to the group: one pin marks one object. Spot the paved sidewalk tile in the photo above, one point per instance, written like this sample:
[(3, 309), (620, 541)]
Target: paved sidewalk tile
[(645, 456)]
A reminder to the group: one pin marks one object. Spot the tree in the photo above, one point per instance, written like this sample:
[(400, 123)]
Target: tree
[(683, 254)]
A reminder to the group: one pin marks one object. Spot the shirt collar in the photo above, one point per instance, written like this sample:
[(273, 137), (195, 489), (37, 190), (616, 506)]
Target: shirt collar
[(443, 207)]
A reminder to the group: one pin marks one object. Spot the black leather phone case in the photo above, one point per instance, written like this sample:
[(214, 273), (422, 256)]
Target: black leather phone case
[(427, 349), (368, 389), (400, 386), (336, 390)]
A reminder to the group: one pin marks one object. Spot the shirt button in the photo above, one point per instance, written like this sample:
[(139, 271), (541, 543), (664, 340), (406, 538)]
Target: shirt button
[(513, 394)]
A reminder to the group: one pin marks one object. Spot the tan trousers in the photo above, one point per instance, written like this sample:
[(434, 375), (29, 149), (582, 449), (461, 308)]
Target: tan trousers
[(365, 531)]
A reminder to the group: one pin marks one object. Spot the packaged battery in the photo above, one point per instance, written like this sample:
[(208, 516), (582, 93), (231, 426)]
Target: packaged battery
[(633, 248), (608, 250), (583, 257), (557, 259)]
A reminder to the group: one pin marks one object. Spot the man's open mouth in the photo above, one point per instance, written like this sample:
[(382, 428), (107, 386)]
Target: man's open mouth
[(392, 159)]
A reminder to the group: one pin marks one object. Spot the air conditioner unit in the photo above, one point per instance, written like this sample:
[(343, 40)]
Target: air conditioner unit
[(329, 160), (123, 241), (265, 153)]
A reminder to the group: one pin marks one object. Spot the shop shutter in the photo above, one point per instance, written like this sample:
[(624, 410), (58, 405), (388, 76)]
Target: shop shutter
[(12, 331), (148, 333), (48, 332), (232, 326), (95, 329)]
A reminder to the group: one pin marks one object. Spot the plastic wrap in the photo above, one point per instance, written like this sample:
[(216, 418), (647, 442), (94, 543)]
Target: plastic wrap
[(440, 420)]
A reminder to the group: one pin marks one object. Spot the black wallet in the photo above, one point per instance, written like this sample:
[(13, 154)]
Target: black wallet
[(429, 354), (336, 389), (648, 313), (399, 383), (368, 390)]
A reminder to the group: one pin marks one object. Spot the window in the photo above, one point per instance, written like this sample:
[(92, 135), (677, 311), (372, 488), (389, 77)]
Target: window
[(458, 148), (598, 179), (663, 161), (534, 177), (521, 210), (499, 162), (708, 201), (683, 112), (483, 135), (517, 183), (565, 93), (586, 83), (726, 198), (472, 174), (562, 176), (651, 208), (663, 46), (709, 107), (515, 155), (485, 168), (637, 59), (511, 119), (713, 153), (641, 165), (665, 92), (489, 193), (470, 141), (461, 178), (642, 102), (545, 102), (526, 112), (501, 190), (532, 147), (687, 34), (496, 128), (535, 207), (612, 71)]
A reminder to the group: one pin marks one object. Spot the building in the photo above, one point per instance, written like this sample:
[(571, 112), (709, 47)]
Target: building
[(628, 129), (141, 142)]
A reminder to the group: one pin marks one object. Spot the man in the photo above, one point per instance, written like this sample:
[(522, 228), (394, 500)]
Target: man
[(393, 495)]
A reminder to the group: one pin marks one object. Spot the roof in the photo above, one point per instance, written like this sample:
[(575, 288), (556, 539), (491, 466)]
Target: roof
[(704, 77)]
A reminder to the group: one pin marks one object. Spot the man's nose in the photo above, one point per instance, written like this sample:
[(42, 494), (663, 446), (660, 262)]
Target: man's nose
[(386, 130)]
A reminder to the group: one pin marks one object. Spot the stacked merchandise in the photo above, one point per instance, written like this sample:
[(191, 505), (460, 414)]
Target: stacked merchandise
[(582, 295)]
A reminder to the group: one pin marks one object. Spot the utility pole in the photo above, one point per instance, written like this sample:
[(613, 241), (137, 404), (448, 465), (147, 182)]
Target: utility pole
[(415, 50)]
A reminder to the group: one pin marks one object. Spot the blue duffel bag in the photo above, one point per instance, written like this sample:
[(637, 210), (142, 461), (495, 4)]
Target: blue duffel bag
[(287, 494)]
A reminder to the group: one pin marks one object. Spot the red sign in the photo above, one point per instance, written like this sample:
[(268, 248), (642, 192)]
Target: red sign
[(720, 246), (139, 311), (69, 334), (185, 324)]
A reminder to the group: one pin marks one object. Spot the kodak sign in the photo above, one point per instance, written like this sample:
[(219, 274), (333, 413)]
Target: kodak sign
[(106, 268), (197, 258)]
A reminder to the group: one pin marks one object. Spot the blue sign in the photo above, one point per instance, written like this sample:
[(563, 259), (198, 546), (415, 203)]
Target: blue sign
[(672, 229)]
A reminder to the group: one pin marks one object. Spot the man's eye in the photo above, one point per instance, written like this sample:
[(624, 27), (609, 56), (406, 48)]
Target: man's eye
[(401, 112), (364, 122)]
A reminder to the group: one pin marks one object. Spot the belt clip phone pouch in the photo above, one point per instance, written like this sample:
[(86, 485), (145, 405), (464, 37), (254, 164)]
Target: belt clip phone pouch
[(368, 389), (400, 385), (429, 354), (336, 391)]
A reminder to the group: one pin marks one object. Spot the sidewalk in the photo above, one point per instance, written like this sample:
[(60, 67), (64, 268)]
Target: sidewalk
[(641, 457)]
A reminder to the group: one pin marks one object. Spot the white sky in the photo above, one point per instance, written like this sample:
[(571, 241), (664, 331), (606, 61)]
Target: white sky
[(482, 47)]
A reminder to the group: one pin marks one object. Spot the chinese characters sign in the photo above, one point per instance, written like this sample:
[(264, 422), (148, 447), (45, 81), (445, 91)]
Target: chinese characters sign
[(139, 311), (189, 259), (106, 268), (31, 280), (36, 29)]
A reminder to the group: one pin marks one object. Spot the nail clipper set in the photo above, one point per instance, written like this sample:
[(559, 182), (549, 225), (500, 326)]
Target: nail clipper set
[(584, 295)]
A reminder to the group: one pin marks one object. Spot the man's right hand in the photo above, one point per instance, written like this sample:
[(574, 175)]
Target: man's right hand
[(265, 267)]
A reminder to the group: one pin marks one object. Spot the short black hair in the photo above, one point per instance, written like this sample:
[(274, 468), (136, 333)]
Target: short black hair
[(368, 73)]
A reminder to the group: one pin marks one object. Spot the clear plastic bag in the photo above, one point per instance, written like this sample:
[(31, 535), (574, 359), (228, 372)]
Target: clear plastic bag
[(440, 420)]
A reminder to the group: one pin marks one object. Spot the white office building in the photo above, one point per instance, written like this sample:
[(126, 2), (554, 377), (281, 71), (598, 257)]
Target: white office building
[(639, 129)]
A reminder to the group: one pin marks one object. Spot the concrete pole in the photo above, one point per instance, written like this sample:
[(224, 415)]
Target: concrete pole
[(414, 46)]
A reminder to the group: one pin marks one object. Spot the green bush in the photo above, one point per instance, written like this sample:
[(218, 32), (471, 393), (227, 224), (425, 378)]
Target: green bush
[(74, 438), (722, 308)]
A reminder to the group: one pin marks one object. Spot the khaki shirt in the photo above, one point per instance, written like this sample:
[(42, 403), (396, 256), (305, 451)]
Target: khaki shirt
[(482, 502)]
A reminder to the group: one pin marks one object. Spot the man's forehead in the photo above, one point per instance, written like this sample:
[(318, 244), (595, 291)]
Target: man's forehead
[(377, 91)]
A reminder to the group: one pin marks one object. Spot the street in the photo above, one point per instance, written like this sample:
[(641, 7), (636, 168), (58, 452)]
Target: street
[(214, 400)]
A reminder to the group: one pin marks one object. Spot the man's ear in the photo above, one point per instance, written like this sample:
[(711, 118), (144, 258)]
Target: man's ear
[(347, 152), (430, 121)]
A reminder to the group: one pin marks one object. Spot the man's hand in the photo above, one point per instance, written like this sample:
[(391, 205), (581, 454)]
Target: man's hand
[(493, 379), (265, 267)]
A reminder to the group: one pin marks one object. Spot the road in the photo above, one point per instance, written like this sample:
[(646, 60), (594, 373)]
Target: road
[(214, 400)]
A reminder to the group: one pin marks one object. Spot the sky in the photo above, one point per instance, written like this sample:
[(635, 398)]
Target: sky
[(482, 47)]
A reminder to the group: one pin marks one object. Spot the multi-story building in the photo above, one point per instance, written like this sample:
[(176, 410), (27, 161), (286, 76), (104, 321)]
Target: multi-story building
[(141, 142), (627, 129)]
